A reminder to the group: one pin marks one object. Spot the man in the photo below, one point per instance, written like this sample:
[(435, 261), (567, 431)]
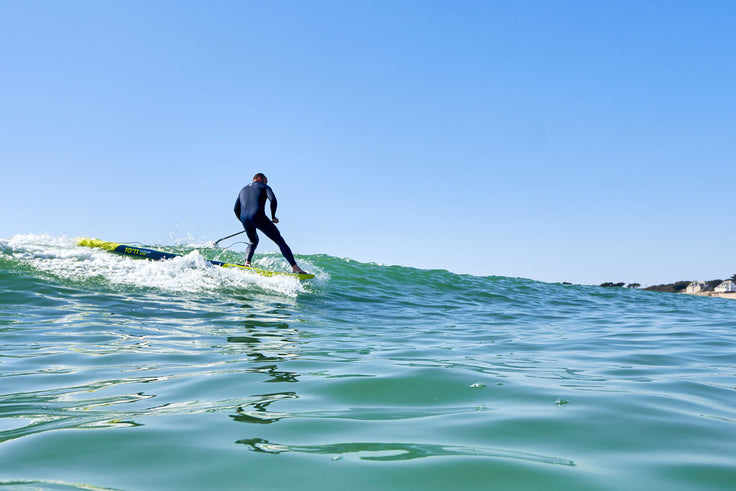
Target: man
[(250, 210)]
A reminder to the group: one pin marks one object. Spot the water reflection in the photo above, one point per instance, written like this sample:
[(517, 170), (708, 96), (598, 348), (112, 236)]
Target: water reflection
[(263, 339), (257, 411), (66, 375), (267, 338), (275, 374), (378, 451)]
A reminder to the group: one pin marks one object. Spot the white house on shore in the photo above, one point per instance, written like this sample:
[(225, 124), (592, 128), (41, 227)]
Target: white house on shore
[(726, 286), (696, 286)]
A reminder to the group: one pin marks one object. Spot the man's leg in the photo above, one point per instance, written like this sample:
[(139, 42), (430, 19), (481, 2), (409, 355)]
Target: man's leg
[(250, 231), (273, 233)]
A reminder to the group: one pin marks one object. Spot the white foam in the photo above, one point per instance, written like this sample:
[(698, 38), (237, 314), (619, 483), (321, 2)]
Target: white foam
[(62, 257)]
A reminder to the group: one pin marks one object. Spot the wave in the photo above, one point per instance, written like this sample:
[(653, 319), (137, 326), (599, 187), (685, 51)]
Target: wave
[(401, 290)]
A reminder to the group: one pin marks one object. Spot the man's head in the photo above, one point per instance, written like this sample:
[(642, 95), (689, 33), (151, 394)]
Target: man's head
[(260, 178)]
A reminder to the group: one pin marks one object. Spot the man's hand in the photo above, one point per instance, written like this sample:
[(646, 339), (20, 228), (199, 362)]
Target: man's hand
[(275, 220)]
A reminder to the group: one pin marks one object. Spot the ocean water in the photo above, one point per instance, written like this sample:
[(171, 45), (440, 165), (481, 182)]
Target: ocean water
[(121, 373)]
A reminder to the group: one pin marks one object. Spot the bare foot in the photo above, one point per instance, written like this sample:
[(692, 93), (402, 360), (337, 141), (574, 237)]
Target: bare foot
[(247, 264), (297, 269)]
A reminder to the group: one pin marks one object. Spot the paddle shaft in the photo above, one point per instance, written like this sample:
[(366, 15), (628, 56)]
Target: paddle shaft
[(233, 235)]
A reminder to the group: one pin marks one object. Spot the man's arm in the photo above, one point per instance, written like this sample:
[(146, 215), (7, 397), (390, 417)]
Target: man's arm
[(237, 208), (272, 198)]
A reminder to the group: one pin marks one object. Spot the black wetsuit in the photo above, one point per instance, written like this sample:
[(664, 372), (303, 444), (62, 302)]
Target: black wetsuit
[(250, 210)]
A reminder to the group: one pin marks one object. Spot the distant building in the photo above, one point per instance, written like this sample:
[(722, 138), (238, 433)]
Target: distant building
[(696, 286), (726, 286)]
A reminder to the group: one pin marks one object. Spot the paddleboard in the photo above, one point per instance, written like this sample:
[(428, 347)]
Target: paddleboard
[(153, 254)]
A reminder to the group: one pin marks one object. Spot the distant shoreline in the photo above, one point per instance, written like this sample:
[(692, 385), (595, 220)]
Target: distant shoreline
[(681, 287), (713, 294)]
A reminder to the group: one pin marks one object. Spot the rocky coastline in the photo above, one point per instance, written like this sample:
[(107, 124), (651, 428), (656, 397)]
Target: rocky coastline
[(680, 287)]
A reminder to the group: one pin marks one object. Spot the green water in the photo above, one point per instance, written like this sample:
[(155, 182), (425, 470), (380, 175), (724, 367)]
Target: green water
[(117, 373)]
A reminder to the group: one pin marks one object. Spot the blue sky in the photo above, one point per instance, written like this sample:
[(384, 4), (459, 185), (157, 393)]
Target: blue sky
[(558, 141)]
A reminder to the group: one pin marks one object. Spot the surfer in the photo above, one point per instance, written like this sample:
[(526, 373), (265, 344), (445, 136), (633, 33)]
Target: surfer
[(250, 210)]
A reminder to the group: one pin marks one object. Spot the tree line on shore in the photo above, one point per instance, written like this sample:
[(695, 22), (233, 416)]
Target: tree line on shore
[(620, 285)]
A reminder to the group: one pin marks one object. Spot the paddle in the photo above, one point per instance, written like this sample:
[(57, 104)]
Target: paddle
[(233, 235)]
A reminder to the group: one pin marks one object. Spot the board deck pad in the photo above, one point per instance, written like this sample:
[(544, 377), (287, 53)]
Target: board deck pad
[(153, 254)]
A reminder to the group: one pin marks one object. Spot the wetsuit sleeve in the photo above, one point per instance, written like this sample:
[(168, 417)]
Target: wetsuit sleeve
[(237, 207), (272, 199)]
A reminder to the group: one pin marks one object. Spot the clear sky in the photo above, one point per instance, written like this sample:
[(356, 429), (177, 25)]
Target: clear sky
[(582, 141)]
